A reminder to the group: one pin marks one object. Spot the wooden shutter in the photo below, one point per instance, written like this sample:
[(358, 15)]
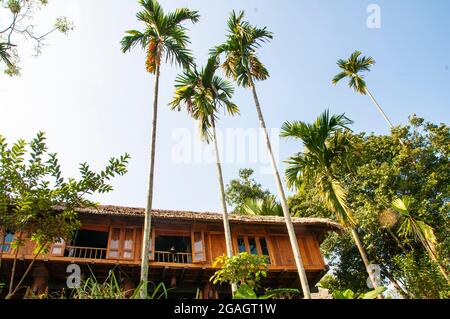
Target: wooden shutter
[(114, 243), (128, 243), (198, 247), (58, 248)]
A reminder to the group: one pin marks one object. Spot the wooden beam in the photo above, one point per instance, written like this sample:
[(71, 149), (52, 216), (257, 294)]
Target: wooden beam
[(164, 272), (200, 276), (280, 276), (180, 280)]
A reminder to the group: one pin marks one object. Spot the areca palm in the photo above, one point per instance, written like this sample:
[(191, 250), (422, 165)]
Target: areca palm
[(243, 65), (352, 69), (261, 207), (326, 146), (202, 93), (164, 38), (417, 229)]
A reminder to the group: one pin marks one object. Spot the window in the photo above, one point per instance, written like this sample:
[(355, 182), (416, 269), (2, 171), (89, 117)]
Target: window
[(255, 245), (9, 238), (264, 248), (252, 246), (241, 245), (128, 243), (58, 248), (173, 247), (114, 243), (198, 248), (121, 243)]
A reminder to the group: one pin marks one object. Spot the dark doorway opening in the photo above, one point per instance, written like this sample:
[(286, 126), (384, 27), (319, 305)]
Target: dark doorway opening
[(91, 238), (88, 244), (176, 249)]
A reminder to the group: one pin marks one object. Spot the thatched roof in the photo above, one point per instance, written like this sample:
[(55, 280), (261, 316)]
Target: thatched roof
[(322, 223)]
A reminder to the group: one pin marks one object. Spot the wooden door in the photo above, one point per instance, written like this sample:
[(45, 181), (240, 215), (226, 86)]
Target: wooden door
[(218, 246)]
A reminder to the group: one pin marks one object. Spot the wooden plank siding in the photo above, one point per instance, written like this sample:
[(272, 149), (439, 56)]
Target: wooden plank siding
[(278, 244)]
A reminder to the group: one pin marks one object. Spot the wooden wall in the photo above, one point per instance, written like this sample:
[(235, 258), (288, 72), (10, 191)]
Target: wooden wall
[(278, 243)]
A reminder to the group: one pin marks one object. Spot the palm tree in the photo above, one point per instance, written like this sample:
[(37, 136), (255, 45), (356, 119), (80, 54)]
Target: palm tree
[(164, 38), (326, 147), (261, 207), (202, 93), (243, 65), (351, 69), (417, 229)]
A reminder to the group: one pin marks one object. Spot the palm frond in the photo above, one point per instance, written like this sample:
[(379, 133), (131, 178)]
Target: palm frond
[(352, 68), (324, 147), (133, 38), (241, 61), (181, 15)]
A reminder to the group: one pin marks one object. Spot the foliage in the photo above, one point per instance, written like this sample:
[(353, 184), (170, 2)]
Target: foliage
[(382, 170), (246, 292), (243, 188), (241, 269), (202, 93), (262, 207), (91, 288), (422, 276), (37, 201), (32, 186), (164, 36), (414, 228), (246, 271), (20, 15), (326, 147), (240, 49), (349, 294), (352, 68)]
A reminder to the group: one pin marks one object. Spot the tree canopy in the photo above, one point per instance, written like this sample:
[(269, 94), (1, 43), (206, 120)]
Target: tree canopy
[(243, 188), (383, 170)]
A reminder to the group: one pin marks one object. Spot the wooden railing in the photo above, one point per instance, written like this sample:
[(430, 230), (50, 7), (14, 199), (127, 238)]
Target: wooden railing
[(170, 257), (85, 252)]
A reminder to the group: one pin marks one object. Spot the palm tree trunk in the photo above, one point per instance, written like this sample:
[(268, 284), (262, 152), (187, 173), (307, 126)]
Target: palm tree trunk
[(287, 216), (380, 109), (396, 285), (435, 259), (226, 223), (148, 208), (363, 254), (382, 112)]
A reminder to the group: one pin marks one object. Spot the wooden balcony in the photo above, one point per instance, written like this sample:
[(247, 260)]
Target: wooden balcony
[(170, 257), (85, 252), (101, 254)]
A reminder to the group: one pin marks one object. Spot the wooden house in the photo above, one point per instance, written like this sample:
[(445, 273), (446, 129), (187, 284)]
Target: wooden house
[(183, 248)]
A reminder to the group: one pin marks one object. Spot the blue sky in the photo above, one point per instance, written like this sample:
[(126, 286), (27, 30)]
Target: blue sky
[(94, 102)]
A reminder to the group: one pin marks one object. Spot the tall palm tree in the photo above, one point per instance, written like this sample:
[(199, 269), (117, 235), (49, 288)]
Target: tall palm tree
[(243, 65), (165, 39), (203, 93), (326, 147), (417, 229), (351, 69)]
